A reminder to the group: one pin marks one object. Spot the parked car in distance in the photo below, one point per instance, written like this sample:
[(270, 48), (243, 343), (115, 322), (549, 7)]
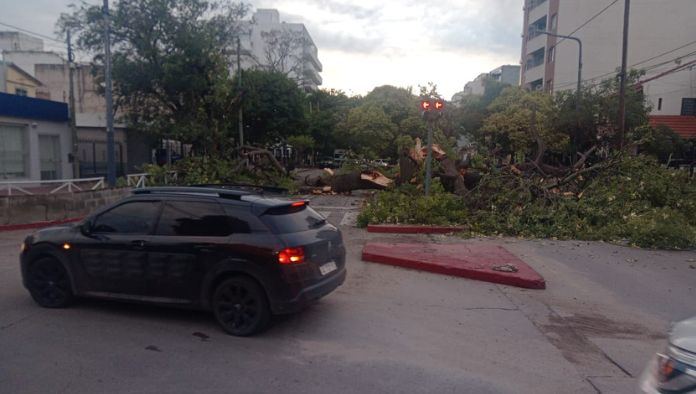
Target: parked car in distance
[(381, 163), (674, 369), (326, 162), (241, 255)]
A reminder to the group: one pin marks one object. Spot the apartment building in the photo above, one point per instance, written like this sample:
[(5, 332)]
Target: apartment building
[(16, 41), (508, 74), (662, 41), (14, 80), (271, 44)]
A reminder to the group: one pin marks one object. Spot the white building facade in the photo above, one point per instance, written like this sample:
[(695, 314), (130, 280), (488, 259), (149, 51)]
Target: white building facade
[(35, 139), (662, 41), (508, 74), (17, 41), (296, 56)]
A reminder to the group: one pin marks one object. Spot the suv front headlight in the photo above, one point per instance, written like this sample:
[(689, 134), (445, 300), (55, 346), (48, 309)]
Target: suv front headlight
[(676, 371)]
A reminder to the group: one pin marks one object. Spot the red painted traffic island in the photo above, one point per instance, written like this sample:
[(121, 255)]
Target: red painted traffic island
[(480, 262), (35, 225), (412, 229)]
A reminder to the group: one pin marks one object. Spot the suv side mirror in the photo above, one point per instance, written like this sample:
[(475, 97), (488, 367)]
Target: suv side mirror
[(86, 227)]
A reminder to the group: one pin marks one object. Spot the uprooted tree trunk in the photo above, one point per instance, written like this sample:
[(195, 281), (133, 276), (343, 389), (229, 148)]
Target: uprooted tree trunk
[(341, 183), (451, 175)]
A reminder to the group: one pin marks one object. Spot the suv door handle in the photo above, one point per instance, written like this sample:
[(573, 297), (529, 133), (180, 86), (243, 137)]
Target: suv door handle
[(205, 248), (139, 244)]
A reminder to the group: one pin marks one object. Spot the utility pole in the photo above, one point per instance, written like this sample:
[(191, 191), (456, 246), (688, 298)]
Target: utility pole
[(622, 75), (71, 99), (239, 82), (110, 165)]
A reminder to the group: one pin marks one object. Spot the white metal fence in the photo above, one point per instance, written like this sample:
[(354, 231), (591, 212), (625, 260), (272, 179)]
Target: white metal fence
[(142, 179), (52, 186), (71, 185)]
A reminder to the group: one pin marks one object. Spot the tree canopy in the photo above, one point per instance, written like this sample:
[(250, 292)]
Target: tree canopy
[(170, 63)]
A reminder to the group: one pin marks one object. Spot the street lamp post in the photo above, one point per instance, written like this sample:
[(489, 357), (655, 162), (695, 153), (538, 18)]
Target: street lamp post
[(578, 94), (548, 33)]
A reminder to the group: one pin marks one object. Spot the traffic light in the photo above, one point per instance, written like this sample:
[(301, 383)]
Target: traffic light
[(439, 105), (425, 105)]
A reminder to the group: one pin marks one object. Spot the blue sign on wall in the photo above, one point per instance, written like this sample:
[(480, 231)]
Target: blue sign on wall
[(31, 108)]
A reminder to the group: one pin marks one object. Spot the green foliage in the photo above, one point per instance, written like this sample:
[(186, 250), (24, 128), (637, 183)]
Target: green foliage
[(660, 142), (274, 106), (408, 206), (397, 103), (367, 131), (596, 119), (208, 170), (518, 116), (170, 64), (637, 201), (328, 109), (301, 142)]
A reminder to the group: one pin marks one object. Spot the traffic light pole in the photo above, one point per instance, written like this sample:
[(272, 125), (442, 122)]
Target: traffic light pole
[(430, 111), (429, 156)]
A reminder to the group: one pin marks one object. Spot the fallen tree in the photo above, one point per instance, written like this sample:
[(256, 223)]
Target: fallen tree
[(327, 181)]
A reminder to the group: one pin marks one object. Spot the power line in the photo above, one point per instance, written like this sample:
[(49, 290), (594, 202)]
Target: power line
[(665, 53), (650, 68), (31, 32)]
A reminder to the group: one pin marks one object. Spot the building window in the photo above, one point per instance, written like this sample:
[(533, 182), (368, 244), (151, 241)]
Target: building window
[(688, 107), (13, 152), (536, 85), (535, 3), (659, 104), (21, 92), (536, 27), (554, 22), (535, 58), (552, 55)]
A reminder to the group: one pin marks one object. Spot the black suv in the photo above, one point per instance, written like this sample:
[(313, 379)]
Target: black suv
[(238, 253)]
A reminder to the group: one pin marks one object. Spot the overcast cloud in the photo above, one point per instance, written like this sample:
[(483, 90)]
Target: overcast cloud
[(367, 43)]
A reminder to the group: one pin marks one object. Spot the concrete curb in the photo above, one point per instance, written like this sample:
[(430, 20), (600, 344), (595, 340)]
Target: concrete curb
[(26, 226), (412, 229), (466, 261)]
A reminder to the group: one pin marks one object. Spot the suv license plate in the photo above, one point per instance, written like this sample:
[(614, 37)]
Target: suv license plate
[(328, 267)]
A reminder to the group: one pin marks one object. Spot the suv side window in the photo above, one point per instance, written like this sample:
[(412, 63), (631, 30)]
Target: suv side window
[(243, 221), (194, 219), (136, 217)]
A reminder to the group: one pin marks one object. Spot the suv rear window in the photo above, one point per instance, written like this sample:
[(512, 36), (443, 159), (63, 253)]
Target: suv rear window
[(285, 220)]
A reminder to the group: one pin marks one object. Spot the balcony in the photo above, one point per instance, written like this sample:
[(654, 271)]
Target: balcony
[(310, 55), (536, 43), (538, 11), (312, 75), (534, 74)]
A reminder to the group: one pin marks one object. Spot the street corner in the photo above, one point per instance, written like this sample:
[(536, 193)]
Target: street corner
[(488, 263)]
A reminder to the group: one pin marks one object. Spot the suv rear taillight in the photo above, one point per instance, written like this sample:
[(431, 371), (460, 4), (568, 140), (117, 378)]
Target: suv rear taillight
[(291, 256)]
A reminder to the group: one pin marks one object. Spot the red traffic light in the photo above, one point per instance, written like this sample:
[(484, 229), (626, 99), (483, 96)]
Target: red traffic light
[(425, 105), (439, 105)]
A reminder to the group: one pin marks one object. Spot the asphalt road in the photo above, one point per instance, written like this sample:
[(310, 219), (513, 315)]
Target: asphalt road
[(386, 330)]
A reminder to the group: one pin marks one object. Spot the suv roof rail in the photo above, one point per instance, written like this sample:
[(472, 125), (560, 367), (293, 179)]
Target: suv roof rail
[(196, 190), (244, 187)]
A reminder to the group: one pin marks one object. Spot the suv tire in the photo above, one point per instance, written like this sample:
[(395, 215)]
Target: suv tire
[(240, 306), (49, 283)]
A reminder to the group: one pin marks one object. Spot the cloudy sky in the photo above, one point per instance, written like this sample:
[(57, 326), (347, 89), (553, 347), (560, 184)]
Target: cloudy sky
[(368, 43)]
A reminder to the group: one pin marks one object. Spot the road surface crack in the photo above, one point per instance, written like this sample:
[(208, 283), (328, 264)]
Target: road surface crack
[(15, 322)]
